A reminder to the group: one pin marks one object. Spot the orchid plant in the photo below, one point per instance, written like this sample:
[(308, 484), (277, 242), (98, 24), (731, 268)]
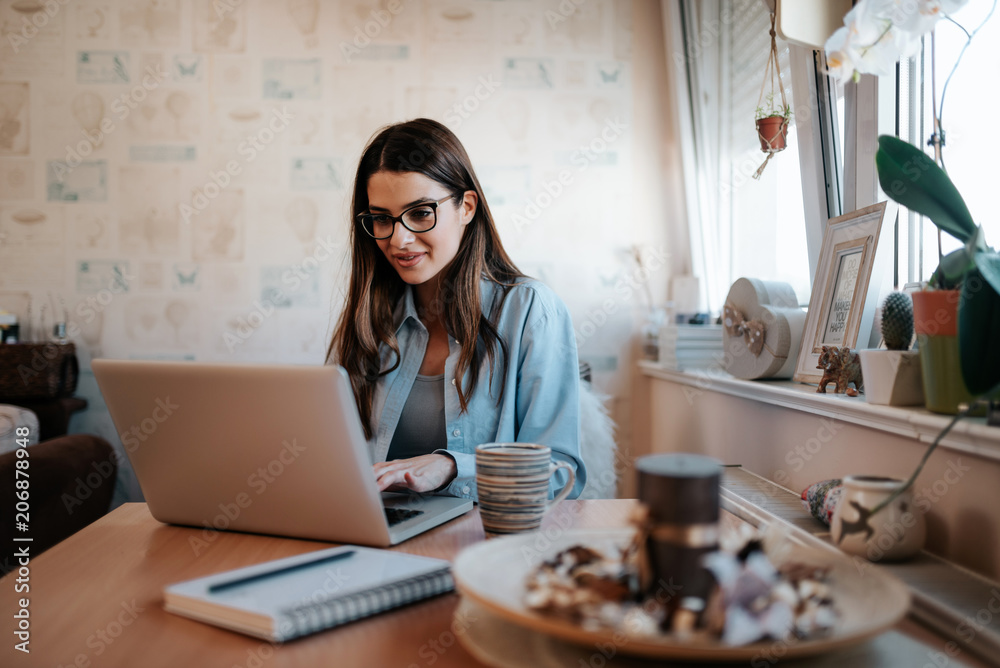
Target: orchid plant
[(877, 33)]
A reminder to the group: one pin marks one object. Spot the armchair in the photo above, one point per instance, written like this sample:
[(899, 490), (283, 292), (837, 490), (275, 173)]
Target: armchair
[(70, 484)]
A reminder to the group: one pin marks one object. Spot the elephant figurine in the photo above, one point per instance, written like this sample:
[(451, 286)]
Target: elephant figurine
[(842, 367)]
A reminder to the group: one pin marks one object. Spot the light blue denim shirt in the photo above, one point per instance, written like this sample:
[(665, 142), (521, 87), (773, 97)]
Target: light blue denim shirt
[(541, 401)]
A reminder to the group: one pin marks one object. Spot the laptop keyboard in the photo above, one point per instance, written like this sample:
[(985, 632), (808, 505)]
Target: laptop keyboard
[(397, 515)]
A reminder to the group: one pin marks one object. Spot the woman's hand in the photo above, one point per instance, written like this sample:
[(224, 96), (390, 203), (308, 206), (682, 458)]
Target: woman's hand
[(420, 474)]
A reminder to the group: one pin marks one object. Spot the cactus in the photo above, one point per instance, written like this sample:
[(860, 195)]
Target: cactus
[(897, 321)]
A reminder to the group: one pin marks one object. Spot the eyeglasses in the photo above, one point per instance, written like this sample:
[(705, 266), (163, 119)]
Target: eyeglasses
[(417, 219)]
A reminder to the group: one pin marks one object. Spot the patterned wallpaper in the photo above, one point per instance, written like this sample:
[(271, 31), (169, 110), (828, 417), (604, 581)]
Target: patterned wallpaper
[(174, 174)]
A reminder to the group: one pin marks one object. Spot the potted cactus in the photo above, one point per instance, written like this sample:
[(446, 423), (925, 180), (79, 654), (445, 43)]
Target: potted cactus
[(892, 376)]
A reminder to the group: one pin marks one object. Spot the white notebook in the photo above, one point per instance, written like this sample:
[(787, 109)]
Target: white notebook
[(287, 598)]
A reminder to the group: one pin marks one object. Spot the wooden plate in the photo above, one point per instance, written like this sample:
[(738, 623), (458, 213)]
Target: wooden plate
[(493, 573)]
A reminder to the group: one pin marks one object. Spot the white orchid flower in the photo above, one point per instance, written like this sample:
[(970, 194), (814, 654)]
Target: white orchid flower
[(839, 63), (920, 16), (877, 33)]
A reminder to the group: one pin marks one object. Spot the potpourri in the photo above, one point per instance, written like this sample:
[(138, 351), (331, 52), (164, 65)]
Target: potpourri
[(752, 599)]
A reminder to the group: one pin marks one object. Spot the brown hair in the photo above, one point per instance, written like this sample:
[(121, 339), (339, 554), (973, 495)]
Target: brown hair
[(429, 148)]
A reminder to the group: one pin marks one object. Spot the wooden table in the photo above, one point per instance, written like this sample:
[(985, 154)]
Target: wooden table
[(96, 599)]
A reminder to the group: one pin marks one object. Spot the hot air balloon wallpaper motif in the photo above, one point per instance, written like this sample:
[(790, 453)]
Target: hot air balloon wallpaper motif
[(17, 179), (94, 21), (217, 231), (148, 23), (305, 15), (220, 27), (302, 216), (148, 197), (88, 110), (13, 119)]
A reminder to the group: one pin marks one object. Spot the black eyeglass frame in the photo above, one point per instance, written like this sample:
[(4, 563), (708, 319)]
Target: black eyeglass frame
[(399, 219)]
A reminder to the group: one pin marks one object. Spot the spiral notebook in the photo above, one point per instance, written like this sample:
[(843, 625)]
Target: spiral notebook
[(287, 598)]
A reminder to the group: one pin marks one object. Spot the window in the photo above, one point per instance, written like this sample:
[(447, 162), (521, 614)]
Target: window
[(746, 227), (741, 226), (968, 118)]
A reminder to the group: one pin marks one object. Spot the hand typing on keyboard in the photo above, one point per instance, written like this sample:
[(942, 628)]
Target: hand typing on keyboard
[(425, 473)]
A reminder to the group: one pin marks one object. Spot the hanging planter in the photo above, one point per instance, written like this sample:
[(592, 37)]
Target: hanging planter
[(772, 132), (772, 119)]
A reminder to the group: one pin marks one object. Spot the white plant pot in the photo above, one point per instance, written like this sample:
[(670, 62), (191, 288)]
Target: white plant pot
[(895, 532), (892, 377)]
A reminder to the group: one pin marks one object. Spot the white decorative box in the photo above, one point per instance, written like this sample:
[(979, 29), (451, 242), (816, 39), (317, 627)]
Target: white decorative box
[(762, 327)]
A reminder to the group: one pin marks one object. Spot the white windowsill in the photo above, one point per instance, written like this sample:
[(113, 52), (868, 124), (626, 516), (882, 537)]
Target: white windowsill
[(970, 435)]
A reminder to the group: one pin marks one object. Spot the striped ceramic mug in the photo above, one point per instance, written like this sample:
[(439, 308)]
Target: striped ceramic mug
[(513, 484)]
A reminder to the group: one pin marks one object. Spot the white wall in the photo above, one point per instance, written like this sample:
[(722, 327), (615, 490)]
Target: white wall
[(153, 252)]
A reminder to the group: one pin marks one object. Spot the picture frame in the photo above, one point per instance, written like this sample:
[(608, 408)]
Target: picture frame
[(844, 296)]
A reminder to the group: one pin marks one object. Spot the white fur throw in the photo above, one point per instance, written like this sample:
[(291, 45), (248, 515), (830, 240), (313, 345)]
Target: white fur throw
[(597, 444), (13, 417)]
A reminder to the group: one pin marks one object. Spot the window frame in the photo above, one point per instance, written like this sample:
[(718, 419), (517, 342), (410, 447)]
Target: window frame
[(818, 154)]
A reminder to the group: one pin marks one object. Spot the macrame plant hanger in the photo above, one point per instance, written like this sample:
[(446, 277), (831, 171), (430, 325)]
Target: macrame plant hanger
[(773, 71)]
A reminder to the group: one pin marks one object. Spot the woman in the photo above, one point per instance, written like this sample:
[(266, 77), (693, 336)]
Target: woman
[(447, 344)]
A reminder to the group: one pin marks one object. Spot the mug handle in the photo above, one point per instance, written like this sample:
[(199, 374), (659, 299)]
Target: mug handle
[(565, 490)]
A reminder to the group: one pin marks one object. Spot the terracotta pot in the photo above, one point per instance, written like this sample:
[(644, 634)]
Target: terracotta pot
[(771, 132), (897, 531), (935, 320)]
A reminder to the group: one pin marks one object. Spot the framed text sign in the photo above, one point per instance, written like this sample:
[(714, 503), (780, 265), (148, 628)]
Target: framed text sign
[(841, 288)]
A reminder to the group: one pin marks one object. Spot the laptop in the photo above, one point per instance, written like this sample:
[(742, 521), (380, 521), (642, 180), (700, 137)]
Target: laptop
[(272, 449)]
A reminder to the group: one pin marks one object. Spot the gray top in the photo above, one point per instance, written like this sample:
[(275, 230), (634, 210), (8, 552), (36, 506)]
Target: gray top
[(421, 427)]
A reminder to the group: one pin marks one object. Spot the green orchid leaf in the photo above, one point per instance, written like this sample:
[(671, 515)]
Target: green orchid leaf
[(979, 328), (977, 242), (953, 267), (911, 178), (988, 264)]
